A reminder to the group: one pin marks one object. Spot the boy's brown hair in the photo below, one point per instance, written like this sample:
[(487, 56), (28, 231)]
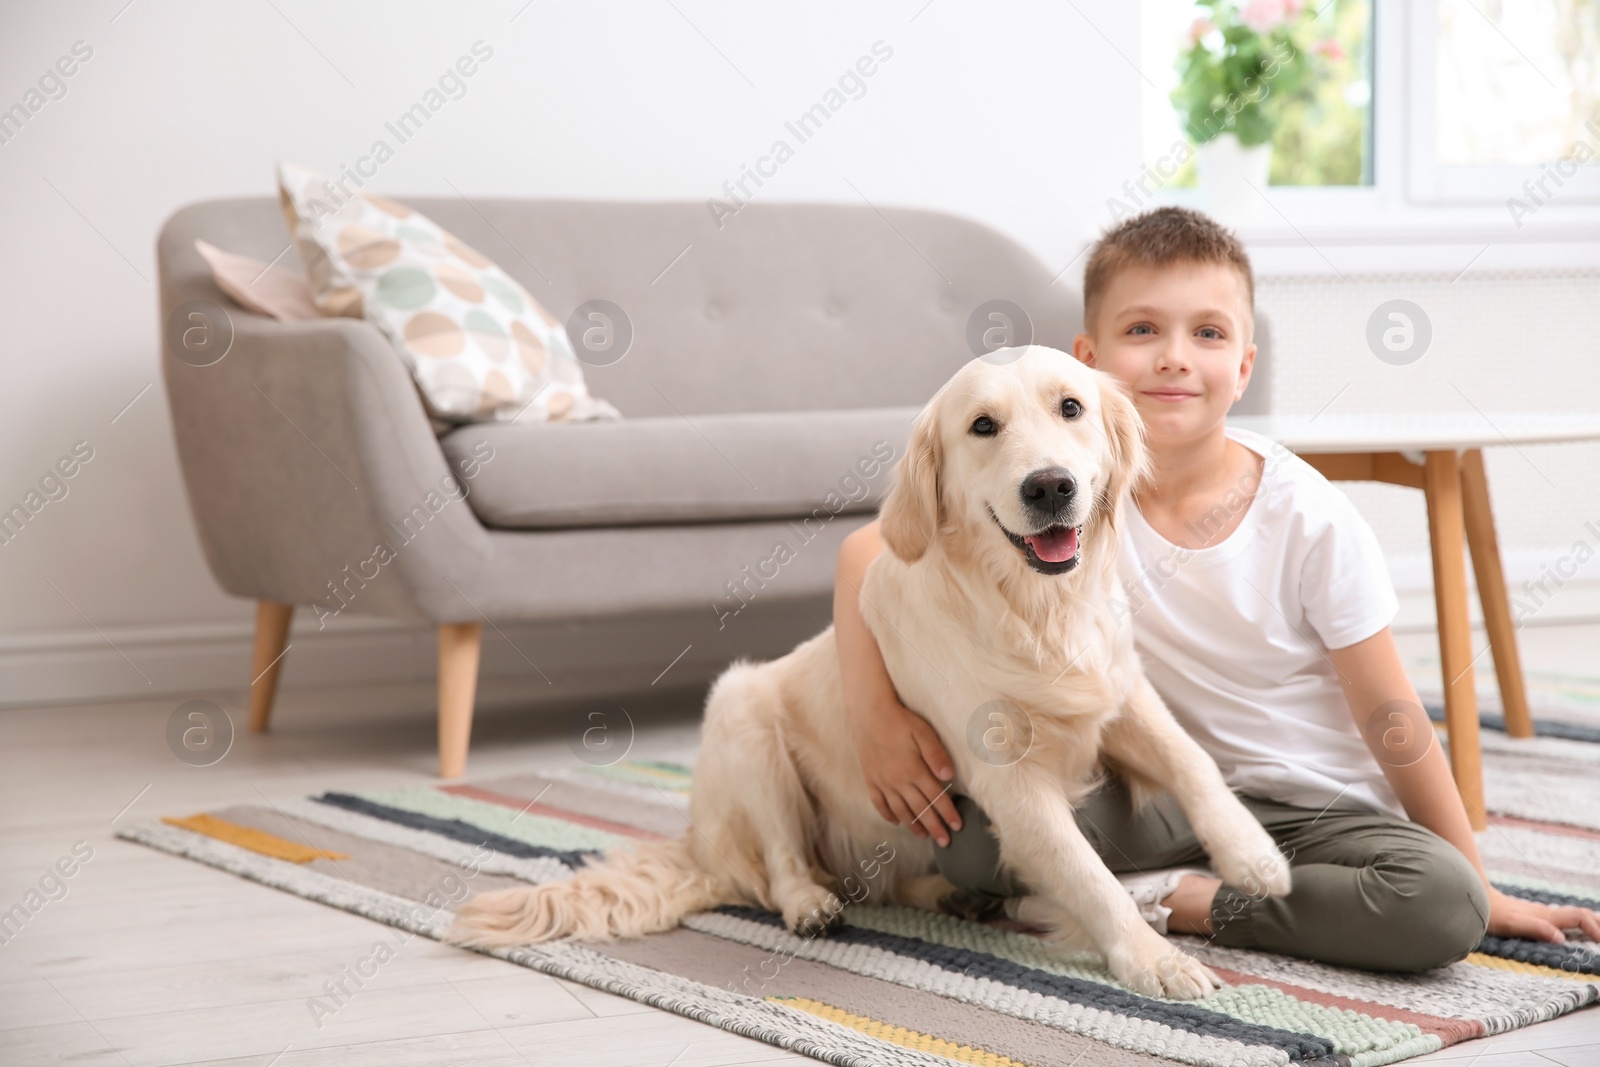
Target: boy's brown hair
[(1159, 238)]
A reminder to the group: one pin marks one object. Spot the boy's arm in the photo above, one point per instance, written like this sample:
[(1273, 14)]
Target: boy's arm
[(901, 756), (1399, 733)]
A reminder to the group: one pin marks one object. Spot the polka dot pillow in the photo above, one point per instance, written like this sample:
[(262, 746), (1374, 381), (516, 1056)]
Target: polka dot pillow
[(480, 348)]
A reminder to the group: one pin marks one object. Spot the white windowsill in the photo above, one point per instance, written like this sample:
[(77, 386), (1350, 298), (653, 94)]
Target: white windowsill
[(1358, 216), (1364, 231)]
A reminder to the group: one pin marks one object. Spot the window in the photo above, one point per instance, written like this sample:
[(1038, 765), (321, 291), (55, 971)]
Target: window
[(1325, 133), (1505, 100), (1422, 103)]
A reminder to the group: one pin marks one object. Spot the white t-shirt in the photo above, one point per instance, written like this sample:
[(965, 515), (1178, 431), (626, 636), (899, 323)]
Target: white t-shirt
[(1235, 636)]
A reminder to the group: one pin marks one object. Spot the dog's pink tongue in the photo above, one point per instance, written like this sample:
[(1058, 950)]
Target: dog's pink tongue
[(1056, 545)]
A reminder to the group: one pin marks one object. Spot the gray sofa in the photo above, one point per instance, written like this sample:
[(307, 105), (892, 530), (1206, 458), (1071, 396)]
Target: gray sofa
[(772, 360)]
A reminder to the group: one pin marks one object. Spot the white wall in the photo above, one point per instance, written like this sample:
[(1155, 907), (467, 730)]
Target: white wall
[(1024, 114), (1020, 114)]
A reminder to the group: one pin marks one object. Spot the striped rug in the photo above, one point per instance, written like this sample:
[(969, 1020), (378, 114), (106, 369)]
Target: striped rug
[(901, 987), (1562, 705)]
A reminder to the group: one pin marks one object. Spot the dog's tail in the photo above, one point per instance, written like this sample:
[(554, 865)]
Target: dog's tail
[(632, 891)]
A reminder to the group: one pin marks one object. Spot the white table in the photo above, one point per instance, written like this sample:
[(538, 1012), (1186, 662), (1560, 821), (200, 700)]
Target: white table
[(1442, 455)]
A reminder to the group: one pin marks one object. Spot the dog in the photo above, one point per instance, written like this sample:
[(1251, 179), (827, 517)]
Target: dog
[(993, 608)]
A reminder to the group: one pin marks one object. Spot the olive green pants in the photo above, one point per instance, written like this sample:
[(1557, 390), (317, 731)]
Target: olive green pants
[(1369, 890)]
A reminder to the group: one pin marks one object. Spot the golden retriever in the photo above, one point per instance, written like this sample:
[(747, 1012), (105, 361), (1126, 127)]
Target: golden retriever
[(993, 610)]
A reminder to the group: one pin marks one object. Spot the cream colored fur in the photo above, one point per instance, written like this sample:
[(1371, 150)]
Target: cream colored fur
[(779, 807)]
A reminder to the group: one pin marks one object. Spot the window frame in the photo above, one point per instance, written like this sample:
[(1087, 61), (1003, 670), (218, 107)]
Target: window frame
[(1427, 182), (1411, 193)]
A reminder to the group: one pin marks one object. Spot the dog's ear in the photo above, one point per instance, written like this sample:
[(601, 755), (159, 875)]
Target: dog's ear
[(911, 513), (1130, 460)]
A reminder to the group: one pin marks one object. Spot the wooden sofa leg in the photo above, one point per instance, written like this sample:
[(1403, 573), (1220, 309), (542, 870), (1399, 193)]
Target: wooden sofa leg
[(459, 646), (272, 635)]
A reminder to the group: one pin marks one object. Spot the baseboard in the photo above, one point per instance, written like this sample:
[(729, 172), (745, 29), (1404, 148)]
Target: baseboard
[(128, 662), (557, 661), (560, 661), (1539, 595)]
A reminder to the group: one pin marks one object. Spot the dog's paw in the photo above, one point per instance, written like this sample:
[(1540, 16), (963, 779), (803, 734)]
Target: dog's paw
[(815, 912), (1248, 859), (1154, 967), (971, 906)]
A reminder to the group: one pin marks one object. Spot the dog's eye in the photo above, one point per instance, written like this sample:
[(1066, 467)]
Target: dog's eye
[(984, 426), (1070, 408)]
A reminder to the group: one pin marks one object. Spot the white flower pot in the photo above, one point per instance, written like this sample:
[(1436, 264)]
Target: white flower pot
[(1230, 177)]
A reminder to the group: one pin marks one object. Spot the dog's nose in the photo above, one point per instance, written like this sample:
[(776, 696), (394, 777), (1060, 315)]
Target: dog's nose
[(1048, 491)]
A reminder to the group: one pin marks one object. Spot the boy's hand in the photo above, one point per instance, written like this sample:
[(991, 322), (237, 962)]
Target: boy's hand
[(907, 769), (1511, 916), (905, 766)]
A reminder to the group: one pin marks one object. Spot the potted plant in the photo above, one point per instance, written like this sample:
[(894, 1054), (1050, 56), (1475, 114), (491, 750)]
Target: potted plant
[(1242, 62)]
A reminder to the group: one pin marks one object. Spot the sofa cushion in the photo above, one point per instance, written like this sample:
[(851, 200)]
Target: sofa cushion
[(701, 468), (261, 287), (478, 344)]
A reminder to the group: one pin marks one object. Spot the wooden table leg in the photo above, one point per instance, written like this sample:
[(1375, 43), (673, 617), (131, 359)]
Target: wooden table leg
[(1492, 594), (1442, 485)]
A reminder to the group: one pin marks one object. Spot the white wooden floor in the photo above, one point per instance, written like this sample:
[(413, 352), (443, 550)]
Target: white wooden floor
[(152, 960)]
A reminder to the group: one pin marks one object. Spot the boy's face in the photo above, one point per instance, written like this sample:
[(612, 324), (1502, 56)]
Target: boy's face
[(1179, 337)]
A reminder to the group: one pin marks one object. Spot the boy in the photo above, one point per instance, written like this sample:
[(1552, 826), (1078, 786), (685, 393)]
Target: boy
[(1261, 607)]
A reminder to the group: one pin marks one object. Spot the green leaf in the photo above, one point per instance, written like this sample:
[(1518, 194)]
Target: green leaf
[(1253, 126)]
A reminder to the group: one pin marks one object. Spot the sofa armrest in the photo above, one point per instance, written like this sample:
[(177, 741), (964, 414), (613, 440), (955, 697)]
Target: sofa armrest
[(304, 450)]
